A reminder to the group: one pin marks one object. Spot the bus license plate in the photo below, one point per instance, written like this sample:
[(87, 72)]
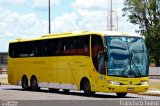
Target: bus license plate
[(130, 89)]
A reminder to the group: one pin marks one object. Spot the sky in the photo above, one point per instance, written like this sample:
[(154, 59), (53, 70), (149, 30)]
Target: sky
[(29, 18)]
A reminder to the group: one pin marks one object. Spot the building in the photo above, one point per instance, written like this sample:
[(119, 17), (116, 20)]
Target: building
[(3, 62), (3, 58)]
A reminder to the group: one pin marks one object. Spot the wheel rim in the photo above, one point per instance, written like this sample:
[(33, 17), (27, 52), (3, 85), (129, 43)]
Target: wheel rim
[(24, 83), (87, 86), (34, 84)]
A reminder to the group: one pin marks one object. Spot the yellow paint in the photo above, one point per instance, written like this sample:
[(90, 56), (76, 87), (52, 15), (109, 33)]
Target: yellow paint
[(68, 70)]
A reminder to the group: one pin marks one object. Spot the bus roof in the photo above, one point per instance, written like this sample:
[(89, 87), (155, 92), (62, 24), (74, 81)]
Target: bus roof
[(81, 33)]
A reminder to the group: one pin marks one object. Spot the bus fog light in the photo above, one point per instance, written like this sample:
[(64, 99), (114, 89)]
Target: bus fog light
[(144, 82), (113, 82)]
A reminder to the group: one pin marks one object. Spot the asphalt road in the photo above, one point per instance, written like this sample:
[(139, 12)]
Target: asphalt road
[(14, 94)]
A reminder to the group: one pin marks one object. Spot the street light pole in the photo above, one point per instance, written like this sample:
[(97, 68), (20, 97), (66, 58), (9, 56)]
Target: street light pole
[(49, 16)]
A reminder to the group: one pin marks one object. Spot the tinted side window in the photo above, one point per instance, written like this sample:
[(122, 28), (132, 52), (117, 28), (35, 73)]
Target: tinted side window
[(30, 49), (69, 46), (83, 45), (13, 50), (75, 46), (51, 47), (26, 49)]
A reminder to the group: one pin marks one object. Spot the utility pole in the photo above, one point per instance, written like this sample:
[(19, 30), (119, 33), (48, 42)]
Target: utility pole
[(49, 16)]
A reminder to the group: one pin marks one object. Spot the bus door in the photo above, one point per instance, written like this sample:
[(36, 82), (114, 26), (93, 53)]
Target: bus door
[(99, 75)]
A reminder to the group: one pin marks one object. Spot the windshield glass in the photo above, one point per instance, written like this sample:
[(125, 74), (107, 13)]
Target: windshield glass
[(127, 56)]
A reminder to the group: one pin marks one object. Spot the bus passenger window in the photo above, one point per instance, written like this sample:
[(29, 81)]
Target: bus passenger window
[(68, 46), (51, 47), (82, 45)]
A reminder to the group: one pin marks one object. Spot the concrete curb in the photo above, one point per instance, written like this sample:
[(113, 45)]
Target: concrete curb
[(151, 93)]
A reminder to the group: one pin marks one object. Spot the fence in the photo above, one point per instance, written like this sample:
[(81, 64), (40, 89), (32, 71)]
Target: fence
[(154, 72)]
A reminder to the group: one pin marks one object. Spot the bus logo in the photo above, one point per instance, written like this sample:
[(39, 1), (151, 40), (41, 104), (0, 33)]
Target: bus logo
[(130, 82)]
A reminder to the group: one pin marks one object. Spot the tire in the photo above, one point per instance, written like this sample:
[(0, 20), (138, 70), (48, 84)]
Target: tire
[(53, 90), (87, 88), (66, 90), (25, 83), (121, 95), (34, 84)]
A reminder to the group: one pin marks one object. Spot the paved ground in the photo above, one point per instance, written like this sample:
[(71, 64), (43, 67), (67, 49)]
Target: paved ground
[(11, 92), (16, 95)]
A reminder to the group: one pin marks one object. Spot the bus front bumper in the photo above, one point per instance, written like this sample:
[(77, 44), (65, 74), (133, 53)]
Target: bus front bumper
[(128, 88)]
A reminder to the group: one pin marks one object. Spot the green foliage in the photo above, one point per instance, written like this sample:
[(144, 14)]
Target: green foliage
[(145, 14)]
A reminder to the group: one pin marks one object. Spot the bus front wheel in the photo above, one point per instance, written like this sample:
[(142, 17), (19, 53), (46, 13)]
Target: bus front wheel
[(121, 94), (34, 84), (25, 82), (87, 88)]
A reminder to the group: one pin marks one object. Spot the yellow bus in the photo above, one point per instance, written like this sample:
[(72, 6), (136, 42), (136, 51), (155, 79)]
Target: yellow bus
[(115, 62)]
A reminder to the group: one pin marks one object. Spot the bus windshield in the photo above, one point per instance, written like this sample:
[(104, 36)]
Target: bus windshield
[(127, 56)]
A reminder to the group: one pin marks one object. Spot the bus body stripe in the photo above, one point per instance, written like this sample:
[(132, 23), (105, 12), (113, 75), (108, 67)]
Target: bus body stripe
[(54, 85)]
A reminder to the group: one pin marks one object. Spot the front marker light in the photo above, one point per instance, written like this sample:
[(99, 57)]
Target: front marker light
[(144, 82), (113, 82)]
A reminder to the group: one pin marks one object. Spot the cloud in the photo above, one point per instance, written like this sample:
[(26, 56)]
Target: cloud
[(86, 4), (16, 2), (87, 15), (18, 25), (41, 4), (91, 20), (15, 25), (93, 14), (82, 19), (66, 22)]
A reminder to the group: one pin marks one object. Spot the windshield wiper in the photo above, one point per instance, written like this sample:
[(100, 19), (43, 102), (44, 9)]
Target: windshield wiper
[(135, 65)]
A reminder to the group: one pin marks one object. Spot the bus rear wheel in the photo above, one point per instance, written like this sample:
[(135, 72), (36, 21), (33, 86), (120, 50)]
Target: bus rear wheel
[(121, 94), (34, 84), (87, 88), (25, 82)]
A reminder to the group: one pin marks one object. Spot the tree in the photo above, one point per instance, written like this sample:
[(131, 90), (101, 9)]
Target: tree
[(145, 13)]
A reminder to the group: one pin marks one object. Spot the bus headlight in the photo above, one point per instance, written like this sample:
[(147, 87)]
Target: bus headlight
[(144, 82), (113, 82)]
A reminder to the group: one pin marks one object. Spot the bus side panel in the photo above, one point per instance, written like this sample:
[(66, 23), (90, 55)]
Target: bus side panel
[(71, 74), (14, 72)]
